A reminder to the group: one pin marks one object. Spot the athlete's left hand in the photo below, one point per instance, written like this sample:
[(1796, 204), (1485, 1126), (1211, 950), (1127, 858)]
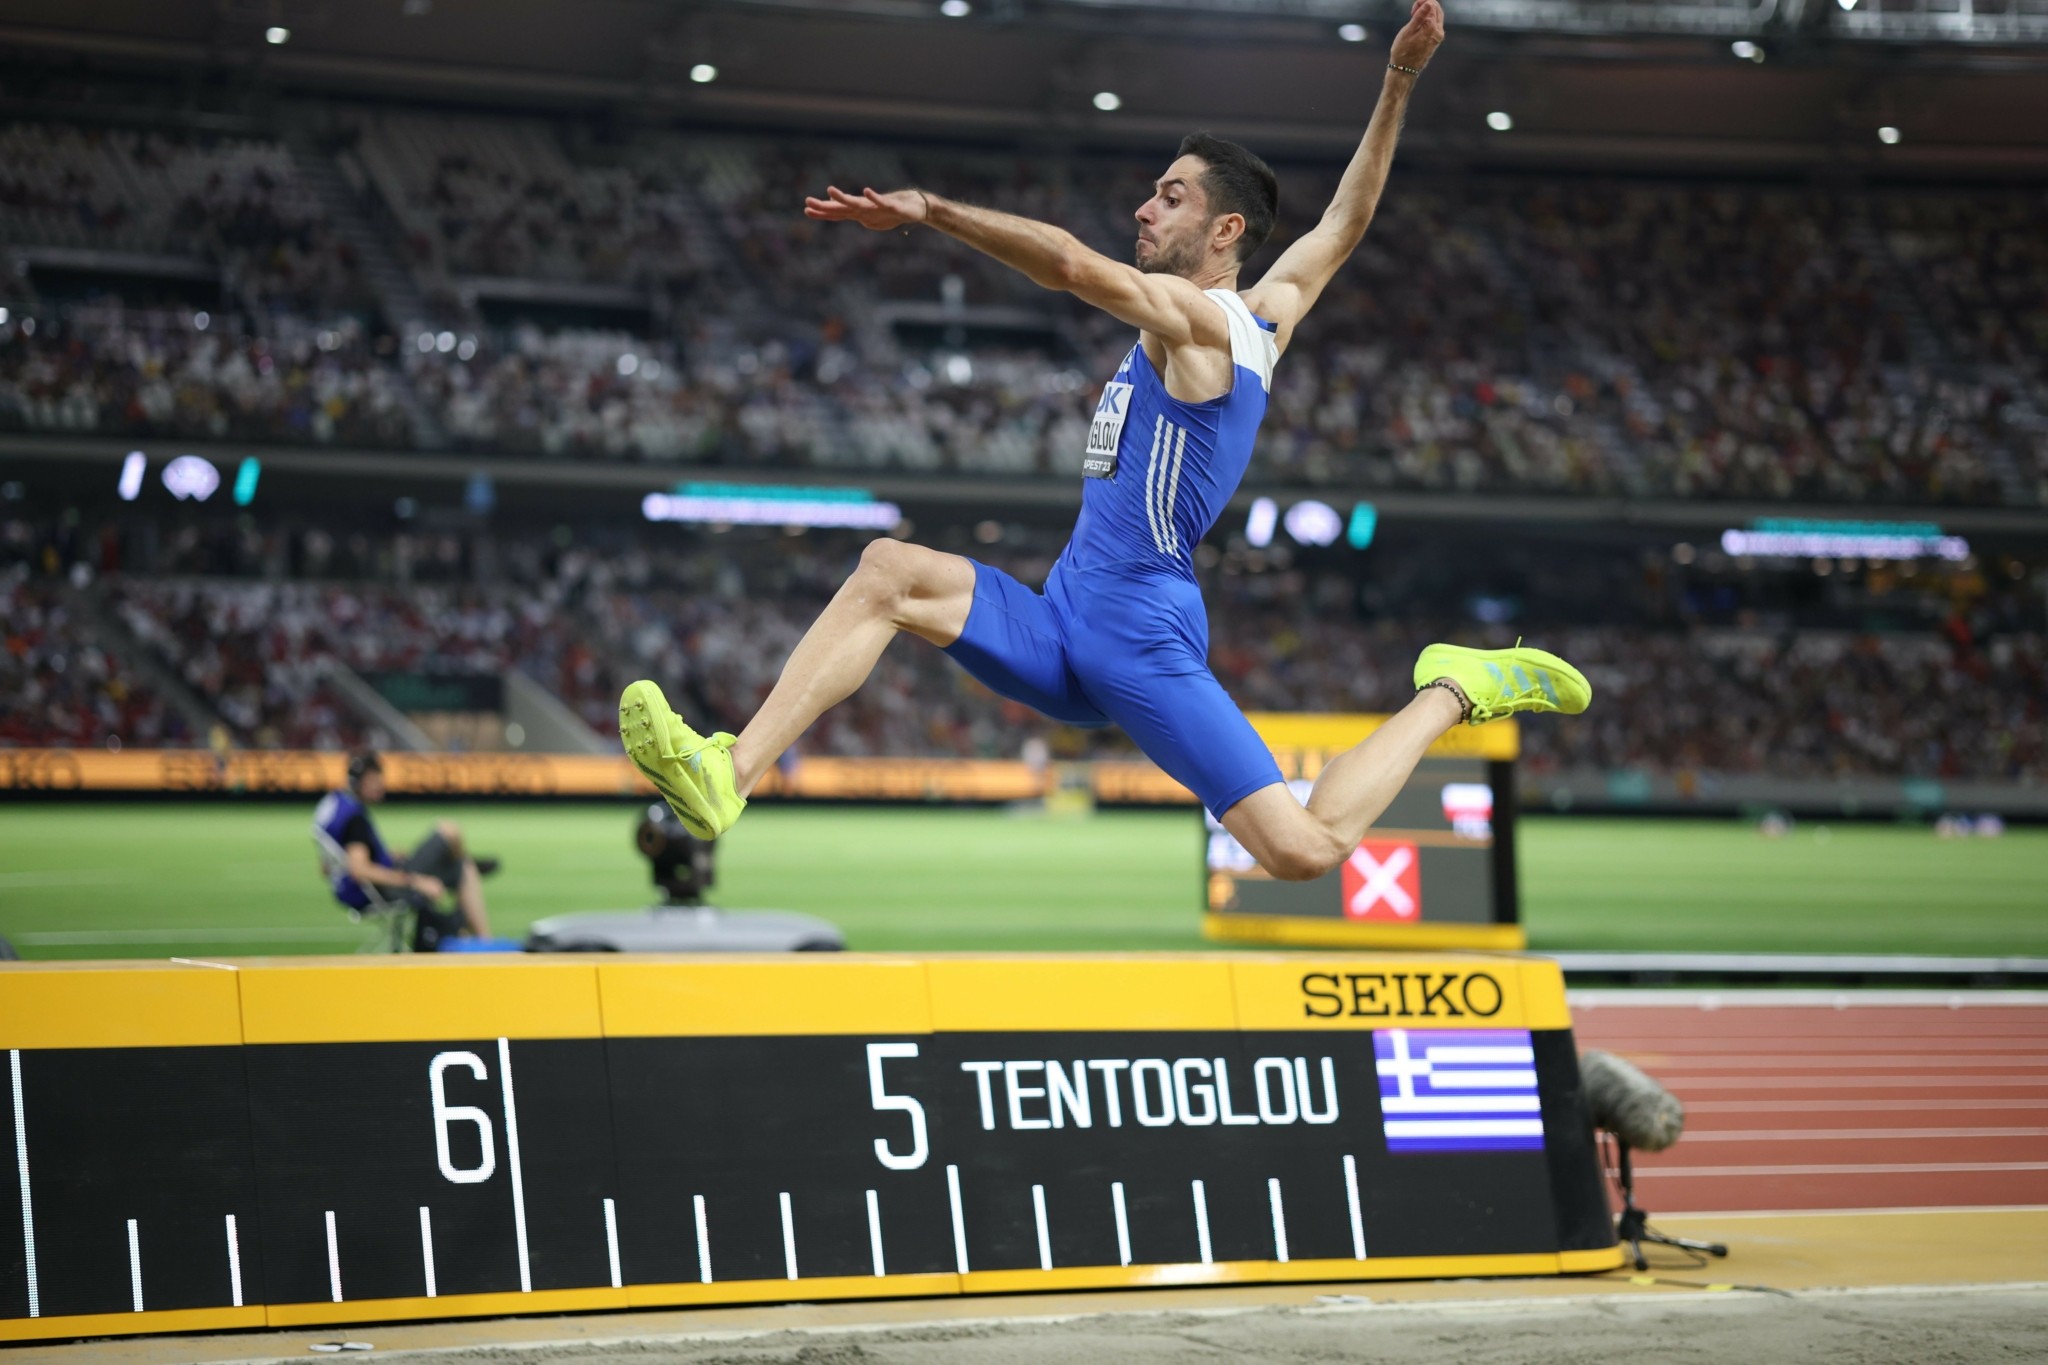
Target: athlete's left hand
[(875, 212), (1419, 37)]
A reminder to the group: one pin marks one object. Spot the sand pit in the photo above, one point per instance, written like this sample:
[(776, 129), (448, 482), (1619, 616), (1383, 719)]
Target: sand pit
[(1859, 1327)]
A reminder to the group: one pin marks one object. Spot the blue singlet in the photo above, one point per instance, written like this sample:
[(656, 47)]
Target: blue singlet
[(1120, 634)]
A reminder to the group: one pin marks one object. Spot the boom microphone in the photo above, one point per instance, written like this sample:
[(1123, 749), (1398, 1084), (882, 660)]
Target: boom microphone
[(1627, 1103)]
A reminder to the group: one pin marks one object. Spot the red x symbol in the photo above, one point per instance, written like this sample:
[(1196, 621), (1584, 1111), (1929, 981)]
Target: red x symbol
[(1383, 880)]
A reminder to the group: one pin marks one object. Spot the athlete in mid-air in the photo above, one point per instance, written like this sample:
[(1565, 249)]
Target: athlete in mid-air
[(1120, 634)]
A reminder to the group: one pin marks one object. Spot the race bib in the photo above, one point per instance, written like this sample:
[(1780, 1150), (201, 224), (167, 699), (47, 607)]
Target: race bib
[(1106, 429)]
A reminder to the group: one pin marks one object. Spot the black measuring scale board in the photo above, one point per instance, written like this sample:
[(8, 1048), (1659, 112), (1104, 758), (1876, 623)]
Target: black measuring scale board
[(793, 1129)]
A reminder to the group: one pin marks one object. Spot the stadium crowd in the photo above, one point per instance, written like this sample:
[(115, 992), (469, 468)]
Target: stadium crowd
[(60, 686), (106, 370), (1494, 333), (1688, 678), (239, 204)]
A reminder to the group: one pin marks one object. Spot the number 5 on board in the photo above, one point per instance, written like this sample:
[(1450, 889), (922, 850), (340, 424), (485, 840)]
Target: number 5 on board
[(883, 1100)]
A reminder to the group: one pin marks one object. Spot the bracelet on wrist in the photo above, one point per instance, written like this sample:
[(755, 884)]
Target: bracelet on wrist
[(1404, 70)]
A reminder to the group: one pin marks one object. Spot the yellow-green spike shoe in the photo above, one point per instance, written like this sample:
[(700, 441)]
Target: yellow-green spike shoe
[(1502, 682), (693, 773)]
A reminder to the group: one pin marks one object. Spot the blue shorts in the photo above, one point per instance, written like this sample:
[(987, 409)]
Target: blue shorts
[(1125, 651)]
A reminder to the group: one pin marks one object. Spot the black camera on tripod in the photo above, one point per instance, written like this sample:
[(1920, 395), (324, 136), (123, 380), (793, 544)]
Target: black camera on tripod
[(682, 866), (681, 862)]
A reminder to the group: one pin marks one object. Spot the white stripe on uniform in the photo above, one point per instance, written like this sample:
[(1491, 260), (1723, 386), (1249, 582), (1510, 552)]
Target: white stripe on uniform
[(1180, 448), (1152, 482)]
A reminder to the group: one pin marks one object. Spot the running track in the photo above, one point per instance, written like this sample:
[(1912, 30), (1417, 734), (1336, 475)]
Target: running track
[(1840, 1101)]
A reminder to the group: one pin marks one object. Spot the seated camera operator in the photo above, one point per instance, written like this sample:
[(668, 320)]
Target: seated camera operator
[(422, 879)]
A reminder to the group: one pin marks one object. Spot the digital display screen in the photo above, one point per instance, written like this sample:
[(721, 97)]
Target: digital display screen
[(1443, 853)]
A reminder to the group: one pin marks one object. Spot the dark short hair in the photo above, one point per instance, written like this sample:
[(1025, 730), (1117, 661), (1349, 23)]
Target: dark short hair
[(361, 764), (1237, 181)]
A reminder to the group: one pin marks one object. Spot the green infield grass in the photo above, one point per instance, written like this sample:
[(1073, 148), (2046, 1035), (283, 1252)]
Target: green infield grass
[(218, 878)]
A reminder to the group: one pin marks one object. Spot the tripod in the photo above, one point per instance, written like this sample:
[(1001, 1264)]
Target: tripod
[(1633, 1224)]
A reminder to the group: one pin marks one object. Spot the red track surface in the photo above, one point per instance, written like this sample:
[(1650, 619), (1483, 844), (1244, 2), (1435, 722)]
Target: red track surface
[(1838, 1106)]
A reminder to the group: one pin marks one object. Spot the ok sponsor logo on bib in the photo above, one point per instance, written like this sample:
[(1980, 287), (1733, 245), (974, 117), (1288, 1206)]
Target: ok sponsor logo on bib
[(1106, 428)]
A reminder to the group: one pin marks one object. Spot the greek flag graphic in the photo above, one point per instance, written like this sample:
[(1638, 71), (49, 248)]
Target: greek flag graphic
[(1458, 1090)]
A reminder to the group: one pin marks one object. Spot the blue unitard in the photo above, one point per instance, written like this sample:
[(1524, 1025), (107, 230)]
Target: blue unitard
[(1120, 635)]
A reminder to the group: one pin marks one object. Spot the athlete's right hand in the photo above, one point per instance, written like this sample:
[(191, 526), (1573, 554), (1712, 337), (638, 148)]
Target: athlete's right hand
[(1419, 37), (875, 212)]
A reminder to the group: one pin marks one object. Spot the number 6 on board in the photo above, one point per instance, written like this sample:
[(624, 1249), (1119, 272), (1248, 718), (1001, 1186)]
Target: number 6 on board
[(445, 1114), (883, 1100)]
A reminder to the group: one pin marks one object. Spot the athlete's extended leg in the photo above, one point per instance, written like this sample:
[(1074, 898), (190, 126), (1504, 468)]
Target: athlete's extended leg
[(1297, 844), (1454, 685), (897, 587), (705, 780)]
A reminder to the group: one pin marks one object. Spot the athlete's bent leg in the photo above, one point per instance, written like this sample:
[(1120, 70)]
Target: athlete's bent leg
[(706, 778), (897, 587), (1300, 844), (1456, 685)]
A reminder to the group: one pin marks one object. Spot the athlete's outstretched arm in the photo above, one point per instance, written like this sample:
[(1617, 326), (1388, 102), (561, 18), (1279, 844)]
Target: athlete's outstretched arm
[(1165, 305), (1296, 280)]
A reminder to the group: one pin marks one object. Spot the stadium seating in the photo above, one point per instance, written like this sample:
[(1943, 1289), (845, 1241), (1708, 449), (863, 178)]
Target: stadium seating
[(106, 370), (237, 204), (1494, 333), (499, 197), (62, 687), (1683, 684), (255, 654)]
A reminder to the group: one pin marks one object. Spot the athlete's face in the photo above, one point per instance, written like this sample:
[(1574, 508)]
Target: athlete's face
[(1173, 225)]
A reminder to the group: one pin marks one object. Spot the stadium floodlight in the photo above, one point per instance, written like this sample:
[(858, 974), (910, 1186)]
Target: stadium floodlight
[(277, 35), (1798, 538), (956, 9), (703, 73), (1258, 528), (1351, 33), (191, 476), (1365, 521), (1745, 49), (771, 505), (1888, 135), (1499, 121), (1108, 101), (1313, 523)]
